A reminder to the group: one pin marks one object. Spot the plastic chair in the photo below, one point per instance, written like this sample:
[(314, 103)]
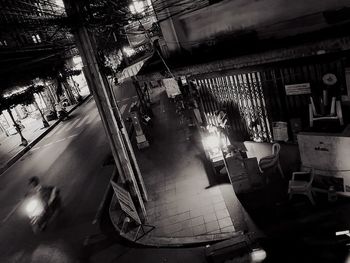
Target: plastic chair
[(334, 114), (272, 162), (302, 187)]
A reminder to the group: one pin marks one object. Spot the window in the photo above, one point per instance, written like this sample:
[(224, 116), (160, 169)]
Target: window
[(39, 9), (36, 38), (3, 43)]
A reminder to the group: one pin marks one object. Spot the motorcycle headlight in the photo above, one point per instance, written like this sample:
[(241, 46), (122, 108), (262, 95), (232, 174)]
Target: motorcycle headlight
[(211, 142), (34, 207), (258, 255)]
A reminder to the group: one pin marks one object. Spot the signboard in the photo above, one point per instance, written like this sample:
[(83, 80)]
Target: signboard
[(171, 87), (126, 203), (298, 89), (280, 131)]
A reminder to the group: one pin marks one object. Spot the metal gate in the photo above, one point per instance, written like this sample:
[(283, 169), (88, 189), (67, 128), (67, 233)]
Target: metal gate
[(241, 97), (255, 99)]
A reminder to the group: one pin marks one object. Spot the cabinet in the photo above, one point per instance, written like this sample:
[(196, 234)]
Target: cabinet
[(243, 173)]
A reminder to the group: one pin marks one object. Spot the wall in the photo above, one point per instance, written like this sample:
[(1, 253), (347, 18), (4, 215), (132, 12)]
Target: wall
[(328, 154), (273, 18), (164, 15)]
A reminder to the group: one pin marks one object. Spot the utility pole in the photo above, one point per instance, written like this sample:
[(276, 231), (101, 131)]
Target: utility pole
[(107, 107)]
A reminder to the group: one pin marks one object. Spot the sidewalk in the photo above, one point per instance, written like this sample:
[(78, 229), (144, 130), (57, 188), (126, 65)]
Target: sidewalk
[(186, 204), (10, 149)]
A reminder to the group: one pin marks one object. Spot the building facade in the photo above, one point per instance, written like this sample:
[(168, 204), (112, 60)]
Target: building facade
[(23, 22), (245, 59)]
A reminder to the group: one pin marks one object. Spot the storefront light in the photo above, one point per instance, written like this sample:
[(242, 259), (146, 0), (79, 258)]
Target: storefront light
[(137, 7), (211, 142), (18, 90), (128, 51)]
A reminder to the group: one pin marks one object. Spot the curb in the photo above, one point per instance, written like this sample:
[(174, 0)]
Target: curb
[(37, 139), (165, 242), (114, 213), (102, 205)]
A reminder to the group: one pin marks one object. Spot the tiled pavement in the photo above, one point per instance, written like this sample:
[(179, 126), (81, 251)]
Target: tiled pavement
[(182, 201)]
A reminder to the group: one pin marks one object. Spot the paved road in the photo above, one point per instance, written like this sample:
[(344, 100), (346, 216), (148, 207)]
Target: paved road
[(71, 157)]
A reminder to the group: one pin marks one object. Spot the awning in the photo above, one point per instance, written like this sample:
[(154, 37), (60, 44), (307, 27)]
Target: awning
[(132, 70)]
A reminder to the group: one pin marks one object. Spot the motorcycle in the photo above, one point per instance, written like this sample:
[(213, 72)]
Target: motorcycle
[(40, 213), (146, 120), (63, 115)]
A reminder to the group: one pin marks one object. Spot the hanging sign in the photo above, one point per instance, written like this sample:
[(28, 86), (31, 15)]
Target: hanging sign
[(280, 131), (298, 89), (126, 203), (171, 87)]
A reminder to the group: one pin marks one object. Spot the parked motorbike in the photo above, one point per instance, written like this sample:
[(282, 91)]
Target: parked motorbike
[(63, 115), (146, 120), (40, 213)]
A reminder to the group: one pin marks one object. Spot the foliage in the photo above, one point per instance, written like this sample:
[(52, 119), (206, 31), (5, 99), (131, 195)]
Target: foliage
[(67, 72), (106, 19), (25, 98), (37, 88)]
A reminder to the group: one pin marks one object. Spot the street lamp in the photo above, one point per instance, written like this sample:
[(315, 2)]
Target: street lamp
[(128, 51), (137, 7), (24, 141)]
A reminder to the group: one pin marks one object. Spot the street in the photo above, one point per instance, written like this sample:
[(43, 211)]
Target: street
[(74, 157), (69, 157), (239, 131)]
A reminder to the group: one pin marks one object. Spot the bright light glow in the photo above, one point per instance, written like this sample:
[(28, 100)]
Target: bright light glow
[(77, 60), (128, 51), (59, 3), (258, 255), (211, 128), (18, 90), (211, 142), (34, 207), (137, 7), (345, 232)]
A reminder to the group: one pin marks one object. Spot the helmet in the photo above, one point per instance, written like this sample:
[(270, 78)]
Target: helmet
[(33, 181)]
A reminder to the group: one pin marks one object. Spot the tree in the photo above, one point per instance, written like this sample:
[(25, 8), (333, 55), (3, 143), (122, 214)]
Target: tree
[(6, 104), (63, 86), (37, 89), (25, 97)]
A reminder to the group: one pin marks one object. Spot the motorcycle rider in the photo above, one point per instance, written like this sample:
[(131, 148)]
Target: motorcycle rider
[(45, 193)]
